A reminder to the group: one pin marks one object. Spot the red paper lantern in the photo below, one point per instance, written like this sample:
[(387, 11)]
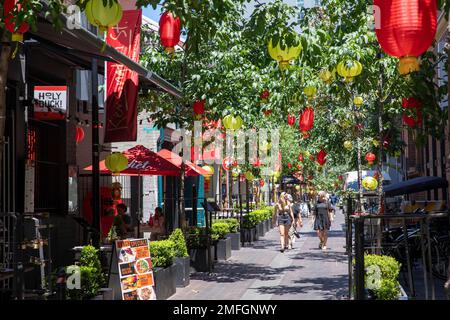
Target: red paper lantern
[(291, 120), (257, 163), (199, 107), (340, 178), (265, 96), (8, 8), (406, 29), (169, 31), (412, 103), (300, 157), (299, 167), (261, 183), (321, 157), (79, 136), (290, 165), (306, 121), (267, 112), (370, 157)]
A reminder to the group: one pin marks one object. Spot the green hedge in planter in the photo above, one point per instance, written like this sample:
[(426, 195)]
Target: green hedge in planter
[(179, 242), (162, 253), (381, 276), (249, 220), (233, 224), (197, 238), (219, 230)]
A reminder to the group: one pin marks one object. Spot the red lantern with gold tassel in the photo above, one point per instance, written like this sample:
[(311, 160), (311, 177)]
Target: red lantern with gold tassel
[(406, 29), (412, 103), (300, 157), (199, 108), (8, 12), (321, 157), (306, 121), (291, 120), (370, 157), (265, 96), (169, 31)]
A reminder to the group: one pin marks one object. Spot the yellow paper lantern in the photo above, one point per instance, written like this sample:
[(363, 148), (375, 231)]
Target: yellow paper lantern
[(370, 183), (348, 145), (249, 176), (297, 188), (232, 123), (358, 101), (284, 54), (326, 76), (116, 162), (349, 72), (310, 92), (235, 173), (103, 16), (210, 170)]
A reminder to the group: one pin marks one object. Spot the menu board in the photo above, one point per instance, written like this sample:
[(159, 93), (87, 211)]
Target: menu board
[(135, 269)]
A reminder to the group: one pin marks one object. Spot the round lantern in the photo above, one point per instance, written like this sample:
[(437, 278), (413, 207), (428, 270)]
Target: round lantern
[(306, 121), (321, 157), (407, 28), (370, 183), (169, 31), (265, 96), (232, 123), (370, 157), (358, 101), (199, 108), (284, 54), (349, 69), (348, 145), (299, 167), (310, 92), (116, 162), (261, 183), (17, 33), (249, 176), (416, 105), (300, 157), (291, 120), (210, 170), (102, 15), (79, 136), (289, 165), (326, 76), (235, 173)]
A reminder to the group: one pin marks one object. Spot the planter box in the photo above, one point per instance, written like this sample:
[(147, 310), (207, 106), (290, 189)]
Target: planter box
[(269, 224), (199, 258), (260, 229), (165, 282), (183, 270), (403, 295), (248, 235), (223, 249), (235, 240), (255, 233)]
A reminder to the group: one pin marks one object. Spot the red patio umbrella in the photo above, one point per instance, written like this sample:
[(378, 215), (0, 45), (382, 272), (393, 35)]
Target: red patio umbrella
[(190, 168)]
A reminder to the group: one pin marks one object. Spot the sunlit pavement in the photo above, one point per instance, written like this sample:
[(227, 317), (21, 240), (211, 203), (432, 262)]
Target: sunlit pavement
[(261, 272)]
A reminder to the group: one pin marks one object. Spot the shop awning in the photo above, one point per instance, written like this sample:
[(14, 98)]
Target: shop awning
[(78, 44), (144, 162), (415, 185), (190, 168)]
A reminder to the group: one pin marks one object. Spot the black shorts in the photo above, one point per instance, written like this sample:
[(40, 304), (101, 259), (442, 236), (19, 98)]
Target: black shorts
[(284, 219)]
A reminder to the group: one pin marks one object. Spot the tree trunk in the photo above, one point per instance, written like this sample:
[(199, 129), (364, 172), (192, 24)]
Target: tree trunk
[(4, 64), (447, 46)]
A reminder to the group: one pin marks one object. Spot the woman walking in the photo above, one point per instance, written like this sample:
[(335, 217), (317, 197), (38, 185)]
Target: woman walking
[(322, 219), (284, 216)]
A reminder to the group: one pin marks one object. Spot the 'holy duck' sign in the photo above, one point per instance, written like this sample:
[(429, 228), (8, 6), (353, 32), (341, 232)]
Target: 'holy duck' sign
[(50, 98)]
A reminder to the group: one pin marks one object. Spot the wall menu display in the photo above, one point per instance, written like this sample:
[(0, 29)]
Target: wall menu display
[(135, 269)]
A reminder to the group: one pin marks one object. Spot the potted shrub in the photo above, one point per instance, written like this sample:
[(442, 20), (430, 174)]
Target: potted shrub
[(381, 277), (234, 234), (248, 231), (91, 275), (164, 272), (222, 243), (181, 260), (198, 249)]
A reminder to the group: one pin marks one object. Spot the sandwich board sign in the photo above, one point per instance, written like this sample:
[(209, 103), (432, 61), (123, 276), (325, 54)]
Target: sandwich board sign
[(131, 270)]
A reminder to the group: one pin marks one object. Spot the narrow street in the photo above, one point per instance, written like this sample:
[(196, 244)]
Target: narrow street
[(261, 272)]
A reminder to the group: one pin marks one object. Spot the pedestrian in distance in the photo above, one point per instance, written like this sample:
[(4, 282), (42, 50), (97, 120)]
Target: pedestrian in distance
[(283, 216), (322, 219), (298, 222)]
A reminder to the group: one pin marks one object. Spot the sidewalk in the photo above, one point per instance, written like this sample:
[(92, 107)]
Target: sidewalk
[(261, 272)]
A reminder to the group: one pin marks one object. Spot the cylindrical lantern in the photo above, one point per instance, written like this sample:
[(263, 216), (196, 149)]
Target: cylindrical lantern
[(321, 157), (265, 94), (412, 103), (326, 76), (79, 136), (199, 107), (289, 165), (102, 15), (17, 33), (306, 121), (300, 157), (406, 29), (261, 183), (284, 54), (291, 120), (169, 31), (310, 92), (370, 157), (256, 163), (348, 145), (116, 162)]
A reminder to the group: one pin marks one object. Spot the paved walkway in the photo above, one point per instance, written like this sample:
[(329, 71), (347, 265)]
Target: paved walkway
[(261, 272)]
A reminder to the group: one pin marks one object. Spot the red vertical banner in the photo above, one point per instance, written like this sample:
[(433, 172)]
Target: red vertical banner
[(121, 82)]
